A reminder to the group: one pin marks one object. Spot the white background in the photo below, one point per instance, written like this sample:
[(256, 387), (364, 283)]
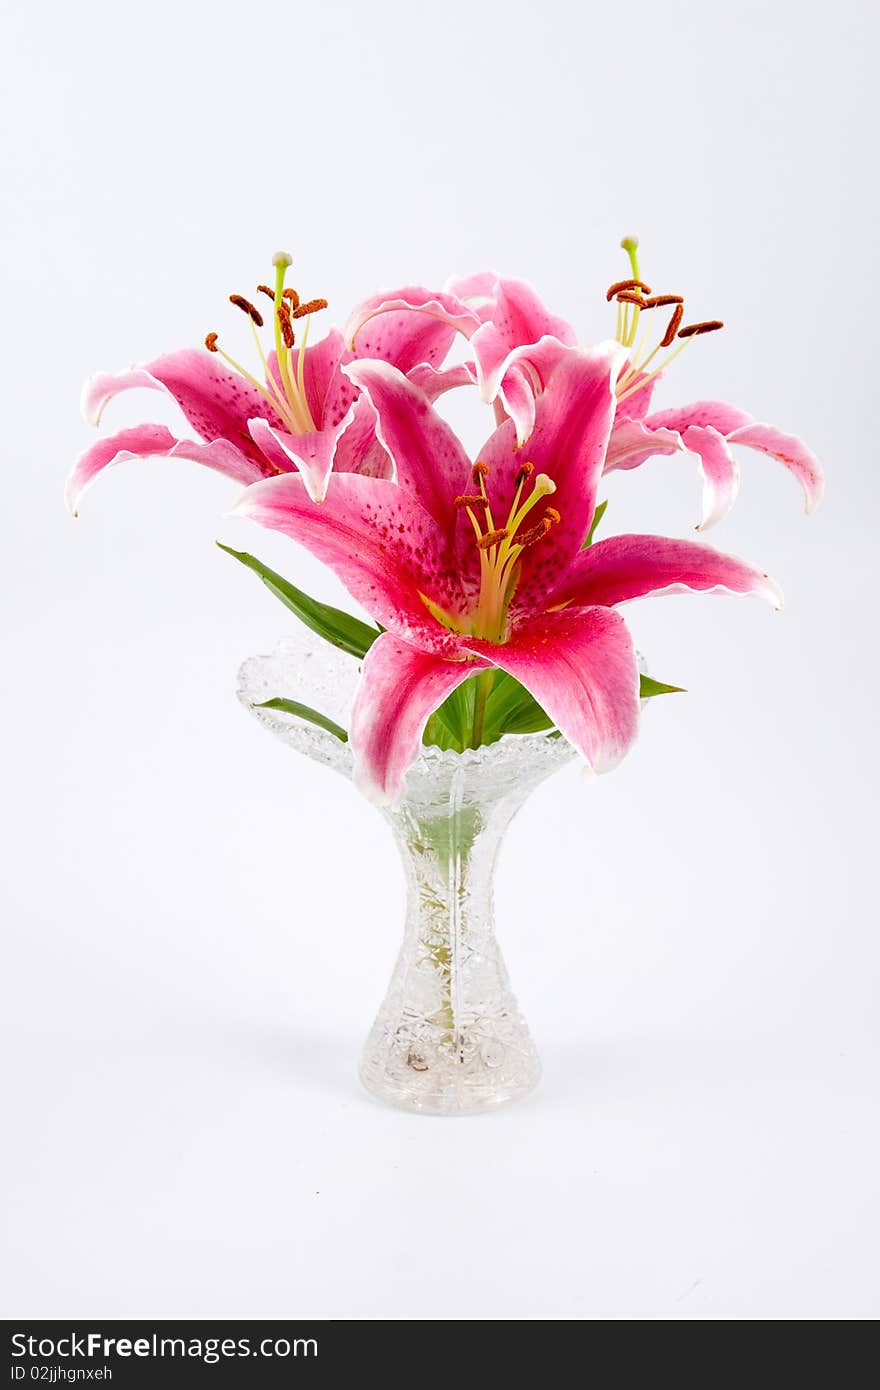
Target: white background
[(199, 925)]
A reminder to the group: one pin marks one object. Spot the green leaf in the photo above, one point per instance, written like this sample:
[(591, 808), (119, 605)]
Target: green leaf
[(336, 627), (313, 716), (451, 723), (511, 709), (649, 688), (597, 517), (438, 735)]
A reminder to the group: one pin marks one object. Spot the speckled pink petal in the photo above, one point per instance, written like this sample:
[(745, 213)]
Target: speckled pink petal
[(378, 539), (445, 308), (429, 460), (155, 441), (580, 665), (217, 402), (790, 451), (633, 566), (721, 416), (405, 339), (400, 687), (738, 427)]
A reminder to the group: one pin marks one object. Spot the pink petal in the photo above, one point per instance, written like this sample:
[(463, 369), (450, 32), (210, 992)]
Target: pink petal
[(721, 416), (719, 469), (517, 396), (518, 319), (632, 443), (412, 298), (329, 394), (526, 374), (477, 290), (436, 383), (636, 406), (312, 454), (399, 688), (790, 451), (572, 425), (740, 428), (357, 448), (626, 567), (155, 441), (405, 339), (103, 386), (381, 543), (429, 459), (580, 665), (217, 402)]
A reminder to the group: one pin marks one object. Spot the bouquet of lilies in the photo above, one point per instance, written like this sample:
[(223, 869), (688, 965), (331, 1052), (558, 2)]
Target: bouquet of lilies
[(495, 608)]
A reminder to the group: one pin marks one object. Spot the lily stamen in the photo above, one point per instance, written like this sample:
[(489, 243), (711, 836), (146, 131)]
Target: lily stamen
[(248, 308), (535, 534), (286, 327), (672, 327), (492, 538), (613, 291), (694, 330), (310, 307)]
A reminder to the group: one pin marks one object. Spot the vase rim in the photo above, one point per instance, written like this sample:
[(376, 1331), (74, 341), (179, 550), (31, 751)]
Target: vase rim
[(283, 669)]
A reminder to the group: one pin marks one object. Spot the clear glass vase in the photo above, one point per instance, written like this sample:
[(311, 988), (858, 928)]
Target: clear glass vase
[(449, 1038)]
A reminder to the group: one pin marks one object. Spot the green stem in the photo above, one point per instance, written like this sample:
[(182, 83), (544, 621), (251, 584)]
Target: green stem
[(481, 695)]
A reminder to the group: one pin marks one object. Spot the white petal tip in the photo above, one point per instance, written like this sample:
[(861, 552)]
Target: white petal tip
[(773, 594), (374, 793), (317, 491), (90, 413)]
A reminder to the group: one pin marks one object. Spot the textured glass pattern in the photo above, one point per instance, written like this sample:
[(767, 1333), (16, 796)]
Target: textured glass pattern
[(449, 1037)]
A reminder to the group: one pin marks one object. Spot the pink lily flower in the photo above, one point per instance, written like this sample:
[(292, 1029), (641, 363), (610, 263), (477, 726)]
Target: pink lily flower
[(515, 341), (475, 566), (304, 414)]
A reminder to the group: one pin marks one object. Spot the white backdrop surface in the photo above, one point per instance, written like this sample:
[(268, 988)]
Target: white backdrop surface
[(198, 926)]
